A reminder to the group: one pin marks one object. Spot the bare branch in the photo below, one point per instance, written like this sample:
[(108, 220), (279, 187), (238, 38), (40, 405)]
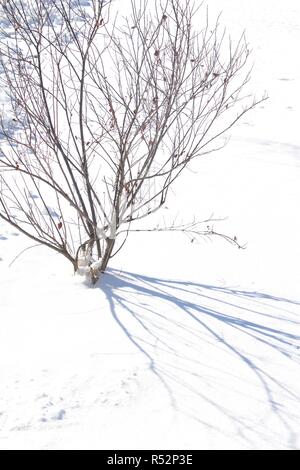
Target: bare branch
[(103, 113)]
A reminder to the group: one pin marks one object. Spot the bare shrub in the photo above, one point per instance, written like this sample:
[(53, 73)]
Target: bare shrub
[(103, 113)]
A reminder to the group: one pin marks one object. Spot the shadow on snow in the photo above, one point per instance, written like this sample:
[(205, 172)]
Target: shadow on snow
[(219, 352)]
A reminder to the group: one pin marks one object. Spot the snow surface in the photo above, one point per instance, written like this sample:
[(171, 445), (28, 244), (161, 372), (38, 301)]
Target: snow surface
[(180, 345)]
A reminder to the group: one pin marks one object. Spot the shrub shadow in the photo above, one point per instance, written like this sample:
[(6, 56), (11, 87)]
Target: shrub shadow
[(227, 358)]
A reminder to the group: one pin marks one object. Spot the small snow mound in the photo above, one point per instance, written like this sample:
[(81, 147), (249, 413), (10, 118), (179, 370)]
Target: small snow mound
[(59, 416)]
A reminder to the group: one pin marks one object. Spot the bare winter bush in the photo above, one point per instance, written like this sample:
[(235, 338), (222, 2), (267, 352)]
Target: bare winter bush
[(103, 113)]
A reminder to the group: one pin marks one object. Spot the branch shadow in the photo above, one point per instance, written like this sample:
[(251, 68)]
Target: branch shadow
[(227, 358)]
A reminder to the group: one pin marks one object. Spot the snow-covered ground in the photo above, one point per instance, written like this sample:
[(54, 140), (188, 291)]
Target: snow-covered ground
[(180, 345)]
